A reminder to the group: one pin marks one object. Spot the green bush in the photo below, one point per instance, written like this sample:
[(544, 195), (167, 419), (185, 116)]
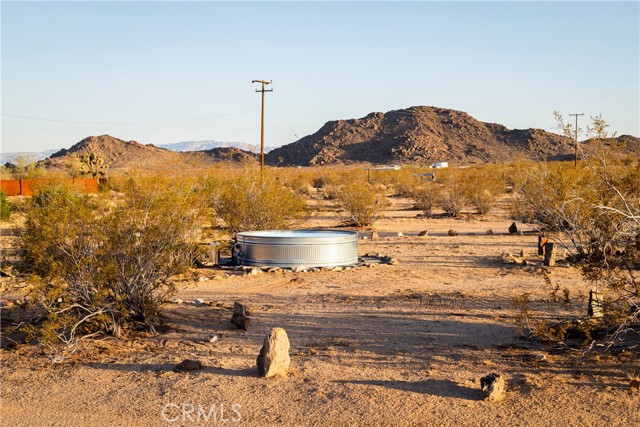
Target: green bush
[(251, 201), (102, 264), (361, 203), (5, 207), (427, 196)]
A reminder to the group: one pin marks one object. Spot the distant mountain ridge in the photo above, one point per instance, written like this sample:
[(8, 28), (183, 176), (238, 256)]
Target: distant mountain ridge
[(210, 145), (415, 135), (35, 155)]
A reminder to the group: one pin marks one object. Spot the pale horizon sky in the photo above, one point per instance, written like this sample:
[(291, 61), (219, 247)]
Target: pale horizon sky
[(165, 72)]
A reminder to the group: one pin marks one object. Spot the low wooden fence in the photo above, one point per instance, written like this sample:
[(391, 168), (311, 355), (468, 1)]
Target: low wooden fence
[(26, 187)]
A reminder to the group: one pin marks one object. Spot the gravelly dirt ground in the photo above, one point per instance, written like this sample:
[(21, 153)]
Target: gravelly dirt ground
[(392, 345)]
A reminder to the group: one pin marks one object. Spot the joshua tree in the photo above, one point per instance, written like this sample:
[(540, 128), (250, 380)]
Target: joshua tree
[(92, 164)]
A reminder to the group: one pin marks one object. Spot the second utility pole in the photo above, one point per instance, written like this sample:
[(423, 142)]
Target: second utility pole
[(263, 90)]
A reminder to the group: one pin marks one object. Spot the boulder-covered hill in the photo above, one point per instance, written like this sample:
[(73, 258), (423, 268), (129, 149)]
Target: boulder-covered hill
[(419, 135), (120, 155)]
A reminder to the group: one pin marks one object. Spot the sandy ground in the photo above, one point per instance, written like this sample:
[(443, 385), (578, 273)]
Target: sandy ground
[(390, 345)]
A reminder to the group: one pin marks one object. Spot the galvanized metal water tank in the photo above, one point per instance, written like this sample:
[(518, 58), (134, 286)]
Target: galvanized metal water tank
[(291, 248)]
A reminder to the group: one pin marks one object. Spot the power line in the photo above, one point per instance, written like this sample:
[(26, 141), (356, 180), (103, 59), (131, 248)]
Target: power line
[(44, 119), (176, 98)]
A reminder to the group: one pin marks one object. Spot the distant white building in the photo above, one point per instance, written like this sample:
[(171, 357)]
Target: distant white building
[(439, 165)]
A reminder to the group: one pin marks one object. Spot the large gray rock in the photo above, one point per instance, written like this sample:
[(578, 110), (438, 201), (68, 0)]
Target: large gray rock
[(274, 354), (493, 388)]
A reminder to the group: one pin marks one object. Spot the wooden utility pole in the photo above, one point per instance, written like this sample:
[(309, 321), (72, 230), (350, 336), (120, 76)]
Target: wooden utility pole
[(575, 152), (263, 90)]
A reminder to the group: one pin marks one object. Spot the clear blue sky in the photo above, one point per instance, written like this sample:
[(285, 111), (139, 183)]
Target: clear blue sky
[(147, 71)]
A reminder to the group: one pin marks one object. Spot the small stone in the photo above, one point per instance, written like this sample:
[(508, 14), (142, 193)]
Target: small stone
[(199, 301), (274, 270), (634, 383), (513, 228), (375, 235), (274, 355), (188, 365), (337, 268), (596, 304), (364, 238), (423, 233), (493, 388), (453, 233), (299, 269), (177, 301), (254, 271), (214, 338), (202, 279), (239, 317), (521, 253), (400, 234), (489, 232)]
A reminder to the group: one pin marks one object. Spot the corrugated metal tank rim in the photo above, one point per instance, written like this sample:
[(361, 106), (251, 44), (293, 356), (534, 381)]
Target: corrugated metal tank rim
[(290, 248)]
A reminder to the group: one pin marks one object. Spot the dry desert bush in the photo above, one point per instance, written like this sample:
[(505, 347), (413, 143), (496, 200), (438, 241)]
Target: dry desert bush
[(593, 210), (101, 265), (250, 201)]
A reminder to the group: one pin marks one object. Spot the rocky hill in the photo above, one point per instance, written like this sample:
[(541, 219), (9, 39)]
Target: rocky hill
[(117, 154), (419, 135), (122, 155)]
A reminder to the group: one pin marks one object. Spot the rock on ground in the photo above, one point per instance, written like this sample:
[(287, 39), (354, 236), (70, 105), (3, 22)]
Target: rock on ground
[(493, 388), (188, 365), (274, 356), (239, 317)]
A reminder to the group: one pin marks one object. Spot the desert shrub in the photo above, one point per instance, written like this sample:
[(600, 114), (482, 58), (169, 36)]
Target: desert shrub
[(5, 207), (25, 167), (519, 210), (427, 196), (483, 186), (405, 183), (250, 201), (454, 196), (299, 183), (594, 209), (360, 203), (101, 266)]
